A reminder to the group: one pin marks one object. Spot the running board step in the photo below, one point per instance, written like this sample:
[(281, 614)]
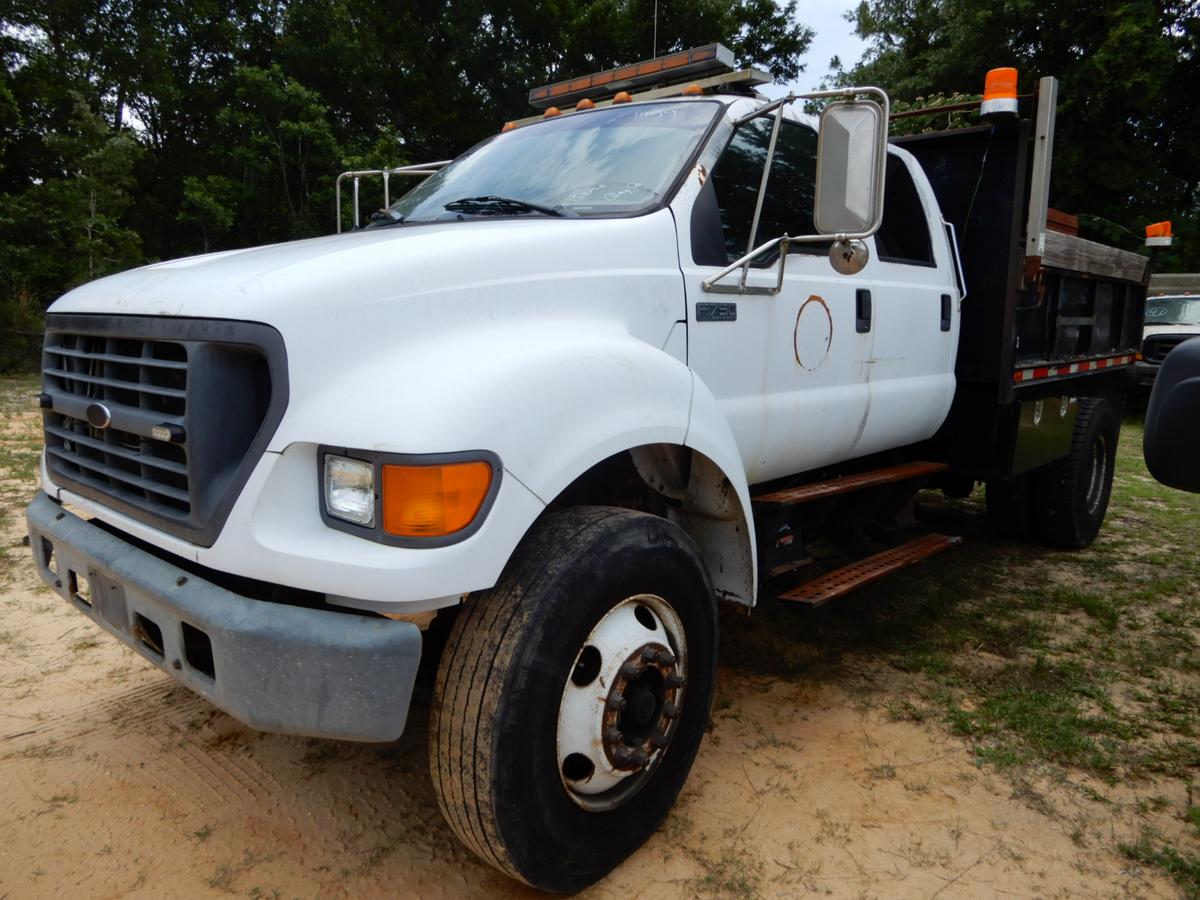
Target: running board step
[(841, 581), (821, 489)]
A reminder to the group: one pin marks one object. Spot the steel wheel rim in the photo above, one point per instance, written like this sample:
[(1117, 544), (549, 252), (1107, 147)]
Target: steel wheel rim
[(621, 702), (1099, 472)]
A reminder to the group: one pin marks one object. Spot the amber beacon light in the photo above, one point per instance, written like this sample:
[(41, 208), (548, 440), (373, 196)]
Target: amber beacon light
[(433, 501), (1158, 234), (1000, 93)]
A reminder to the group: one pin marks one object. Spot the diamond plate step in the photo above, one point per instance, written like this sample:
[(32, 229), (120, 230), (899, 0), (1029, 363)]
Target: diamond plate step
[(841, 581), (821, 489)]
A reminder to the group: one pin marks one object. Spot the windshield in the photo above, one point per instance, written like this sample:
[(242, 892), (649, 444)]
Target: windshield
[(1173, 311), (610, 162)]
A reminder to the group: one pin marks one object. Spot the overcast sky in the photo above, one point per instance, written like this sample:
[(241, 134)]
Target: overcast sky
[(834, 37)]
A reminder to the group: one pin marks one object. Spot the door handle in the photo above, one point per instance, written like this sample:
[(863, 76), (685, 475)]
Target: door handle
[(945, 312), (862, 310)]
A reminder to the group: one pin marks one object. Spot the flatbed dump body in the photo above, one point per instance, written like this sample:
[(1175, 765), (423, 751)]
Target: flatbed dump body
[(1034, 326)]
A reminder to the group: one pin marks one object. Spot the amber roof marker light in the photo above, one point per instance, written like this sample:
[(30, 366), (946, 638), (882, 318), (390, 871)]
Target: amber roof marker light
[(1158, 234), (999, 93), (680, 66)]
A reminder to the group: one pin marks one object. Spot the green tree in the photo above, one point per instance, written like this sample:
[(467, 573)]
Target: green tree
[(284, 152), (208, 203)]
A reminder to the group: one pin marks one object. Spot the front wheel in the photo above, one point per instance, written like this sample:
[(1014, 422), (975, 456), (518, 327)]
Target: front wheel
[(572, 697)]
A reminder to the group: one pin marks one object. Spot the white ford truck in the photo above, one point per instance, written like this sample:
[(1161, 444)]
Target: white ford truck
[(612, 366)]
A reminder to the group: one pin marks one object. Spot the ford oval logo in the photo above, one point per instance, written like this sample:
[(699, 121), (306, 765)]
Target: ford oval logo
[(98, 415)]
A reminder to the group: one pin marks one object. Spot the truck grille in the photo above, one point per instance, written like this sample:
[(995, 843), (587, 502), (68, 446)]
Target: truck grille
[(131, 374), (162, 419), (1156, 347)]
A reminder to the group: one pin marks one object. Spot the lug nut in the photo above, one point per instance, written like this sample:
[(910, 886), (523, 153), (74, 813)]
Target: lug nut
[(630, 669), (658, 740), (617, 702), (674, 680), (670, 710), (667, 658), (624, 757), (612, 735), (640, 757)]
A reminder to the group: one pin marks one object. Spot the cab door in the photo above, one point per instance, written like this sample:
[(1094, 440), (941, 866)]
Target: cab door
[(789, 370), (916, 318)]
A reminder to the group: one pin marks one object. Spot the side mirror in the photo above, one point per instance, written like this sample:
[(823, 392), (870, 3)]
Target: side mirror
[(851, 150), (1172, 441)]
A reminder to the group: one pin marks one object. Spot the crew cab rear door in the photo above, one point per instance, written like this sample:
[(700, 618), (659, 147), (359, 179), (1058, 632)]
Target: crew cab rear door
[(916, 315), (789, 370)]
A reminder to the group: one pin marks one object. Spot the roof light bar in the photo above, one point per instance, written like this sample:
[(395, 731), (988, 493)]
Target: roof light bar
[(686, 65)]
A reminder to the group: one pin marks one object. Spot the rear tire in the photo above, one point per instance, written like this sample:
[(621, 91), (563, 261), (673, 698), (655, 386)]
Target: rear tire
[(501, 699), (1073, 492)]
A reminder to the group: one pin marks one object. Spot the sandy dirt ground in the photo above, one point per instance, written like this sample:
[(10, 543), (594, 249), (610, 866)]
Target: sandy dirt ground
[(114, 782)]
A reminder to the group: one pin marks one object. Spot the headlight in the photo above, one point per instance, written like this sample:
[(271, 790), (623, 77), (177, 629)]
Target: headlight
[(350, 489)]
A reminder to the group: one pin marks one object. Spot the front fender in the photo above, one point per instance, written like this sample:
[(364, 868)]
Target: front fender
[(549, 400), (718, 513)]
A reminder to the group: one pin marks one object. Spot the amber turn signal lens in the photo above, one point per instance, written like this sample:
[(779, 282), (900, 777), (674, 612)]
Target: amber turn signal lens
[(1159, 230), (623, 97), (508, 126), (693, 90), (585, 103), (551, 112), (433, 501)]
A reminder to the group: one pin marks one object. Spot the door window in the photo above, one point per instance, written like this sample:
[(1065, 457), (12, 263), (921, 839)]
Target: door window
[(904, 235), (724, 210)]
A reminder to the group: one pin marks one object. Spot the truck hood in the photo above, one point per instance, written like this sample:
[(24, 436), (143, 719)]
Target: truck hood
[(1170, 329), (278, 282)]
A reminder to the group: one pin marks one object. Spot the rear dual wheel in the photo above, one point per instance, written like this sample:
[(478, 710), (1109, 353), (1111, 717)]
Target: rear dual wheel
[(1064, 502), (572, 697)]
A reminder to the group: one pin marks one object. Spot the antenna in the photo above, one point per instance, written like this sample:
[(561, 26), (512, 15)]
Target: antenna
[(654, 49)]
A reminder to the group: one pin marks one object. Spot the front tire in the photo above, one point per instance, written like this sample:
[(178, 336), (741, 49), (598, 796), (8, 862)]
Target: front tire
[(603, 624)]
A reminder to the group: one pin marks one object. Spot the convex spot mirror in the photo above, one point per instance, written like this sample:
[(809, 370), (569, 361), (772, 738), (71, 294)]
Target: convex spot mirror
[(848, 257), (851, 147)]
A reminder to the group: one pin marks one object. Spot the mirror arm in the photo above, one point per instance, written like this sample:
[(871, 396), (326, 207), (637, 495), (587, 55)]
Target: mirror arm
[(819, 95), (710, 284), (763, 110), (762, 188)]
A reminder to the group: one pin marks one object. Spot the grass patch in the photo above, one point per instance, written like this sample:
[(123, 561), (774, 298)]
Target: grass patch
[(1183, 867), (1022, 648)]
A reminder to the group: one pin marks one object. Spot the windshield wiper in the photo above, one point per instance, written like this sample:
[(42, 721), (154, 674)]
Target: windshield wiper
[(493, 205)]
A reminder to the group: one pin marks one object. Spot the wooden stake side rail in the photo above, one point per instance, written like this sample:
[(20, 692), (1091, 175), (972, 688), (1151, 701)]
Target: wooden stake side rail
[(841, 581), (821, 489)]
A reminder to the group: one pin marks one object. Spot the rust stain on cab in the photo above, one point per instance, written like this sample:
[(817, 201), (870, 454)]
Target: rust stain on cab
[(820, 301)]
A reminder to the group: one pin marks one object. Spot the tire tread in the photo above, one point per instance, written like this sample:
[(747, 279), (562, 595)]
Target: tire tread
[(470, 680)]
